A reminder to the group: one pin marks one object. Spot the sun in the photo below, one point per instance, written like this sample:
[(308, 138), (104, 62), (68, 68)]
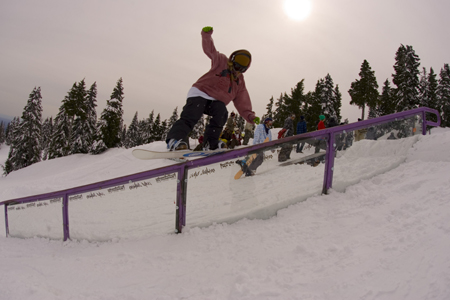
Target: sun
[(297, 9)]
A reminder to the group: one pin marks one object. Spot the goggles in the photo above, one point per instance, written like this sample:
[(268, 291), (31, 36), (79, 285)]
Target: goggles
[(239, 68)]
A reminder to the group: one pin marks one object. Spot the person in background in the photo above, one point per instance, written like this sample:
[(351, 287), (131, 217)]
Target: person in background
[(321, 124), (235, 139), (320, 143), (301, 128), (286, 149), (210, 95), (231, 122), (332, 122), (262, 132)]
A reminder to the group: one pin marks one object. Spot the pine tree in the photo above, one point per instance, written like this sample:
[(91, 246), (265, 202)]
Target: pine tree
[(112, 117), (81, 142), (26, 149), (157, 129), (10, 129), (280, 113), (313, 109), (90, 126), (149, 136), (428, 92), (328, 98), (60, 144), (294, 102), (171, 121), (336, 104), (386, 105), (47, 133), (269, 108), (15, 156), (133, 136), (164, 129), (2, 134), (443, 95), (365, 90), (142, 127), (98, 145), (406, 78)]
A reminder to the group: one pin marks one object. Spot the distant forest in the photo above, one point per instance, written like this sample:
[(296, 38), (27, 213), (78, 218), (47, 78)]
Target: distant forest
[(77, 128)]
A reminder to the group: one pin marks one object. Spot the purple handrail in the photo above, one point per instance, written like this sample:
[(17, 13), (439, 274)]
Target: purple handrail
[(182, 168)]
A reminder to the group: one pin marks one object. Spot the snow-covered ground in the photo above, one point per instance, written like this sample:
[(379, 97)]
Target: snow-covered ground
[(382, 233)]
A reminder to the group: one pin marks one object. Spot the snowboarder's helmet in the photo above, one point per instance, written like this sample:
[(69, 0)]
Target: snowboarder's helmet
[(268, 120), (322, 117), (241, 60)]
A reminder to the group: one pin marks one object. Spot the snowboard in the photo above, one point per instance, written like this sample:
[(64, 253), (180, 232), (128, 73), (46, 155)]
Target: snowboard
[(174, 155), (249, 160), (303, 159)]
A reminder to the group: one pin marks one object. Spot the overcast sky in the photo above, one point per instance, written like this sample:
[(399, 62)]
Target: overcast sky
[(155, 46)]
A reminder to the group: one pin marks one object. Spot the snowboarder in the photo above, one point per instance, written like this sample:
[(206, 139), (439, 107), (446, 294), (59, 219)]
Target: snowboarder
[(262, 132), (223, 83)]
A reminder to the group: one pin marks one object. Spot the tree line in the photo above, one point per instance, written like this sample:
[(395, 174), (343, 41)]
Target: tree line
[(77, 129), (412, 88)]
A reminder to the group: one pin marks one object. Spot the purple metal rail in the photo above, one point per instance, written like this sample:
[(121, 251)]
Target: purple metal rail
[(182, 168)]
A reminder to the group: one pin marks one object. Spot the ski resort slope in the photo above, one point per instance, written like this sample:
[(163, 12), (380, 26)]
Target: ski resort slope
[(387, 236)]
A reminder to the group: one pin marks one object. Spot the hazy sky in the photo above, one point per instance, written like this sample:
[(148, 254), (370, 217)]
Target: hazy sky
[(155, 46)]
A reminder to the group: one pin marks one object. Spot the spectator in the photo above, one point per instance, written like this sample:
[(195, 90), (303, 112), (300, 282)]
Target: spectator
[(301, 128)]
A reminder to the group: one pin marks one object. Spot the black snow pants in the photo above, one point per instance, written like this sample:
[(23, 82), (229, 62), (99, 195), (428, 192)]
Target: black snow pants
[(192, 112)]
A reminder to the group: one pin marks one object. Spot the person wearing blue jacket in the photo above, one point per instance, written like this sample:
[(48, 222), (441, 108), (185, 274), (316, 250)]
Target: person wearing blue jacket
[(262, 132), (301, 128)]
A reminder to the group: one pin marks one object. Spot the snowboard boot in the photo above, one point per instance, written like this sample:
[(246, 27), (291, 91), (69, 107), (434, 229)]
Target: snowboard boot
[(174, 145)]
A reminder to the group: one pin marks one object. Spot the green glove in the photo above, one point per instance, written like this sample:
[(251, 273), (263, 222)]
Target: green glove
[(207, 29), (256, 120)]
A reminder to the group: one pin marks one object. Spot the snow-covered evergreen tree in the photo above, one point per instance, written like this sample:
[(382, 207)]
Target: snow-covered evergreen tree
[(84, 125), (133, 136), (428, 91), (295, 101), (269, 108), (365, 90), (98, 145), (329, 98), (10, 129), (91, 114), (47, 133), (148, 135), (386, 104), (443, 95), (280, 113), (337, 103), (60, 144), (157, 130), (312, 109), (142, 128), (2, 133), (406, 79), (112, 117), (80, 141), (26, 149), (173, 118)]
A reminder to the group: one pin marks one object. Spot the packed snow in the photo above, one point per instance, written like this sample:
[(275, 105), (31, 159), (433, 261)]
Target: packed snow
[(383, 231)]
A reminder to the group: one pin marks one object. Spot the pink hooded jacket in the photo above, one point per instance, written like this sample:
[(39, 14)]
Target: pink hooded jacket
[(216, 82)]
